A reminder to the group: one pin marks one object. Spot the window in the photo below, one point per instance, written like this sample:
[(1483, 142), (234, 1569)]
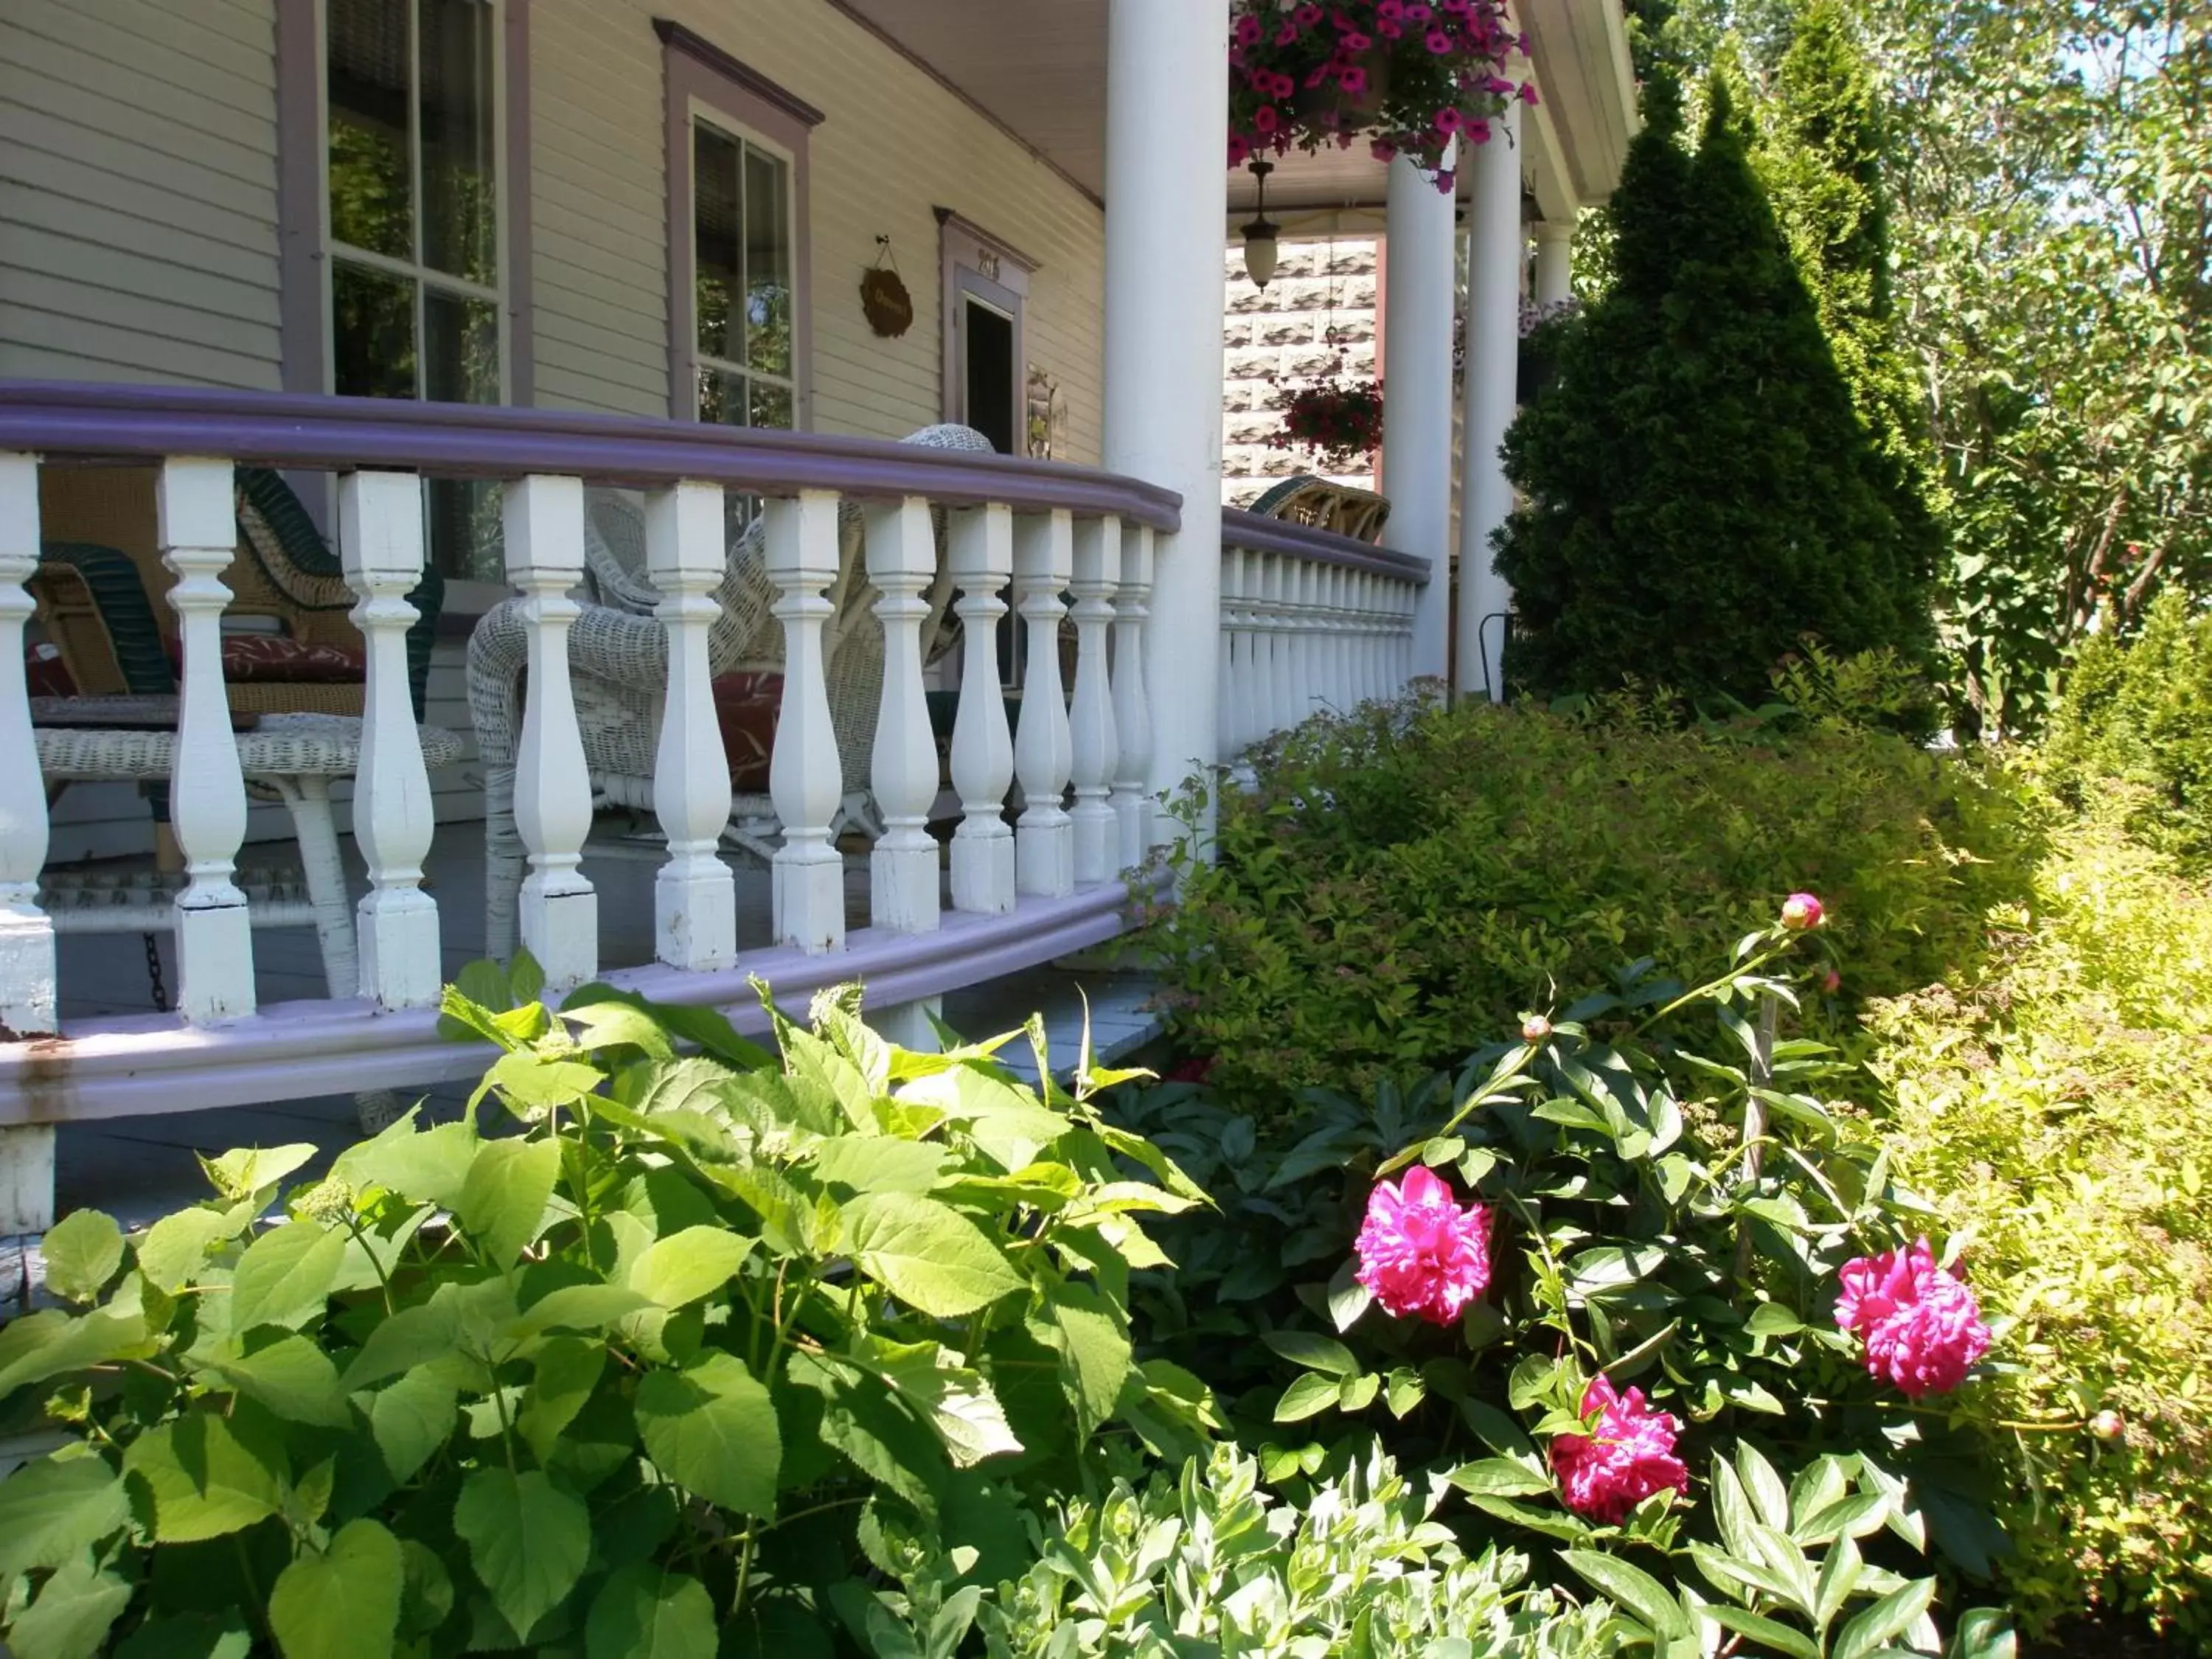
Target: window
[(412, 190), (745, 372), (738, 269)]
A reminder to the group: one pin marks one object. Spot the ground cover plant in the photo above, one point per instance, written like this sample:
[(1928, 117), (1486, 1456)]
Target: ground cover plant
[(651, 1375)]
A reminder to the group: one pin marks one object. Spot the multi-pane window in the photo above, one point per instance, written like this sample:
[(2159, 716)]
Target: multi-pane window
[(741, 241), (414, 279)]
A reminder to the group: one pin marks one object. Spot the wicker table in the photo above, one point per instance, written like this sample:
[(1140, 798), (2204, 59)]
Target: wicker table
[(294, 757)]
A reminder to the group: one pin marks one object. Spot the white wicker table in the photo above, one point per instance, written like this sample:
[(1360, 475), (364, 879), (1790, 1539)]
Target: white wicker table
[(297, 757)]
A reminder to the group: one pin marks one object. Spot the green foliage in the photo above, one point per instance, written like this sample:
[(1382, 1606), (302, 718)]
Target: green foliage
[(1404, 879), (2138, 717), (648, 1376), (2051, 1108), (1701, 494), (1205, 1558)]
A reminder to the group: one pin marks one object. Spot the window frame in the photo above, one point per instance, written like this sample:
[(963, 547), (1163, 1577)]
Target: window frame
[(977, 265), (683, 396), (702, 82)]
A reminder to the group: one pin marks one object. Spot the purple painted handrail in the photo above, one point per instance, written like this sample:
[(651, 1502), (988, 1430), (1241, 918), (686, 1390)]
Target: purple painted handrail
[(1255, 532), (144, 423)]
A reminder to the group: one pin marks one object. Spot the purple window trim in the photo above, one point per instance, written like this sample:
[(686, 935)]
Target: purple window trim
[(303, 305), (967, 256), (696, 68)]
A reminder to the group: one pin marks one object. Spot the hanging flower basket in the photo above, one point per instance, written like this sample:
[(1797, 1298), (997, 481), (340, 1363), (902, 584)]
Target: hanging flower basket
[(1340, 420), (1410, 76)]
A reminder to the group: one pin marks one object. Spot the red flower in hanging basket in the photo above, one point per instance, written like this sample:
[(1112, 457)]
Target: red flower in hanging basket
[(1340, 421)]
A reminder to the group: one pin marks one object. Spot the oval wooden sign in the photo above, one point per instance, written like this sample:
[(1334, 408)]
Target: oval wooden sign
[(885, 303)]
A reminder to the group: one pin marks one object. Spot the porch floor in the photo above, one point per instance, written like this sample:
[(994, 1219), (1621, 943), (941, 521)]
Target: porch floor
[(137, 1168)]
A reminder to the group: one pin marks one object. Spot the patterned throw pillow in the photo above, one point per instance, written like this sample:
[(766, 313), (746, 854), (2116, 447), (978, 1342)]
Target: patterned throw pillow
[(274, 659), (746, 704)]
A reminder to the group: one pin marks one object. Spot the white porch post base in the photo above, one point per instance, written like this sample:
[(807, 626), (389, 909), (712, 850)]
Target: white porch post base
[(26, 971), (26, 1179), (907, 1024)]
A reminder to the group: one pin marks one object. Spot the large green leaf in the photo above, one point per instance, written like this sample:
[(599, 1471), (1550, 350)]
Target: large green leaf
[(189, 1636), (576, 1308), (645, 1612), (1308, 1396), (503, 1197), (568, 1370), (1499, 1477), (49, 1343), (954, 1401), (428, 1166), (710, 1428), (926, 1254), (83, 1250), (688, 1265), (864, 1421), (175, 1248), (1771, 1632), (1095, 1358), (344, 1602), (880, 1163), (1315, 1353), (411, 1337), (1887, 1617), (53, 1507), (70, 1620), (527, 1540), (1005, 1120), (204, 1479), (411, 1420), (293, 1377), (1633, 1588), (284, 1276)]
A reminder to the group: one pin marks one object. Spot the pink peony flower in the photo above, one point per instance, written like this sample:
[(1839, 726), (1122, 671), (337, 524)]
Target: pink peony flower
[(1629, 1455), (1420, 1253), (1801, 913), (1922, 1327), (1831, 982)]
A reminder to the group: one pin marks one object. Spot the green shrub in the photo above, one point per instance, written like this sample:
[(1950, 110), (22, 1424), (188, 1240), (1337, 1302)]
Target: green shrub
[(635, 1381), (1402, 880), (2052, 1108), (2139, 715)]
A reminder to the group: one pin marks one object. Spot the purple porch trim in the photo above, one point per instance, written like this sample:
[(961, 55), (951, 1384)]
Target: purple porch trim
[(141, 423), (1257, 533), (743, 76), (148, 1065)]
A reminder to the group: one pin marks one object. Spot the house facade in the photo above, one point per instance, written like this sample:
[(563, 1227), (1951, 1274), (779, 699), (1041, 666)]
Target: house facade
[(458, 268)]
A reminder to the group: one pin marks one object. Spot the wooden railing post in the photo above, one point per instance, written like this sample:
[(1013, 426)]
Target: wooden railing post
[(1044, 839), (1096, 743), (695, 896), (199, 534), (903, 880), (1133, 714), (380, 542), (544, 528), (804, 777), (982, 547)]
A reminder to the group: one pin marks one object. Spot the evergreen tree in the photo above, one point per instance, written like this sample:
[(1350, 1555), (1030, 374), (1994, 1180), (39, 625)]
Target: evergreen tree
[(1699, 494)]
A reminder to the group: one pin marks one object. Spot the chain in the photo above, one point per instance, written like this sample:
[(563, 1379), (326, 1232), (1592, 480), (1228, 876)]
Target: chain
[(154, 974)]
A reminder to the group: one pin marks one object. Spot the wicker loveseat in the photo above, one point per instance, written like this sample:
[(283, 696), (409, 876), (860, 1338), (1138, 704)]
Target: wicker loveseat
[(618, 670)]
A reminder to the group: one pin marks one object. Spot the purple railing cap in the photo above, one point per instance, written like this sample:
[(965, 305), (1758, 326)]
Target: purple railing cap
[(145, 423), (1256, 533)]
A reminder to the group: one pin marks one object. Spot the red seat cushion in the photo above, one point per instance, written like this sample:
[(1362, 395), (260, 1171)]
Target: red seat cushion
[(747, 705), (44, 673), (276, 660)]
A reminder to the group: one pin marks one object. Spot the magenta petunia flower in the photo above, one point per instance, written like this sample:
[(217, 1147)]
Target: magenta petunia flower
[(1354, 82), (1922, 1327), (1629, 1455), (1421, 1253), (1438, 42), (1248, 30), (1265, 118), (1802, 911), (1240, 149)]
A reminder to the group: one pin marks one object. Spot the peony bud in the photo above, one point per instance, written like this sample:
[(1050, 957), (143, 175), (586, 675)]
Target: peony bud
[(1831, 982), (1801, 913), (1535, 1029), (2108, 1426)]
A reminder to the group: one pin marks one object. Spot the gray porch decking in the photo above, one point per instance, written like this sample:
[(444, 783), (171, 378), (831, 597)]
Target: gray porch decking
[(139, 1168)]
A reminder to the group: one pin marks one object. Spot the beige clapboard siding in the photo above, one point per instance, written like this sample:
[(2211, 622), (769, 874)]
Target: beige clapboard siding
[(893, 145), (138, 191)]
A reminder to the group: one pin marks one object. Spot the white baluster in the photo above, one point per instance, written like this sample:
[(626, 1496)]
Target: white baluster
[(901, 554), (1328, 642), (1098, 747), (1369, 681), (380, 543), (1261, 675), (1133, 715), (695, 898), (1044, 839), (207, 793), (982, 548), (27, 935), (1282, 694), (805, 777), (544, 516), (1232, 728), (1297, 639)]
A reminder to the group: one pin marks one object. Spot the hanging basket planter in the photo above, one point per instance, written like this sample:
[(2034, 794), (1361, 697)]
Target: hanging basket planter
[(1340, 420), (1410, 77)]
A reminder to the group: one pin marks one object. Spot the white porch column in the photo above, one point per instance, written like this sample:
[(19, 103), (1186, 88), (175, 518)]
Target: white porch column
[(1417, 376), (1167, 199), (1555, 262), (1493, 347)]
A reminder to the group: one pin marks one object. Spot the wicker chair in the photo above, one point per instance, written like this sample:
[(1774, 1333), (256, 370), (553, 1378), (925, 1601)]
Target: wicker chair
[(618, 671), (284, 573), (1347, 510)]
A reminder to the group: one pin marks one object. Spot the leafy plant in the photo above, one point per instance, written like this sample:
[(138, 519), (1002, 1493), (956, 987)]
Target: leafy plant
[(639, 1377)]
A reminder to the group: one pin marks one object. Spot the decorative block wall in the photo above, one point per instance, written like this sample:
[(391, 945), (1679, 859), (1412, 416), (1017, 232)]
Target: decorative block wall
[(1280, 330)]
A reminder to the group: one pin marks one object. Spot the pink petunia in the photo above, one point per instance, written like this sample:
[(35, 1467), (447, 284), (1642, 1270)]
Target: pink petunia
[(1354, 82), (1438, 42), (1922, 1327), (1448, 119), (1306, 17), (1248, 30), (1420, 1254), (1240, 149), (1264, 119), (1628, 1455)]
